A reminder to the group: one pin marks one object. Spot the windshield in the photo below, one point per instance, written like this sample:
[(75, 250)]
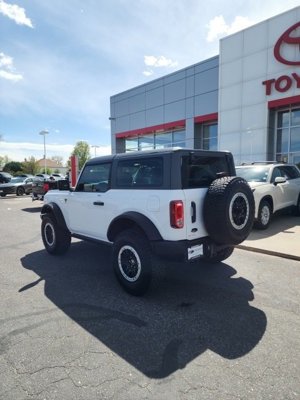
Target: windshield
[(17, 180), (254, 174)]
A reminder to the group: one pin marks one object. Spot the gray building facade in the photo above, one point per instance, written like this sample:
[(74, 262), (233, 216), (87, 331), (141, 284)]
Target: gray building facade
[(246, 100)]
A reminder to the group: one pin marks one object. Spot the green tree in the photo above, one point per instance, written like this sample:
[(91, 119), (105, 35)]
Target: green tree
[(30, 166), (13, 167), (3, 160), (58, 159), (82, 151)]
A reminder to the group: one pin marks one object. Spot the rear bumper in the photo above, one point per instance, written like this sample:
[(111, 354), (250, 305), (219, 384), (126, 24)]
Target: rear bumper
[(186, 250)]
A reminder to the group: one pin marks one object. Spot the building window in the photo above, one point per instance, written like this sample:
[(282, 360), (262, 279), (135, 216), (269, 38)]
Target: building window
[(146, 142), (156, 141), (163, 140), (288, 135), (179, 139), (210, 137)]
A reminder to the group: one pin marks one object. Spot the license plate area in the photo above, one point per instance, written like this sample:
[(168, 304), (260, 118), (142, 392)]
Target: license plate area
[(195, 251)]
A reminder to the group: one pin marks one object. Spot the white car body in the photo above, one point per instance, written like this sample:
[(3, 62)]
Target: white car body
[(277, 183)]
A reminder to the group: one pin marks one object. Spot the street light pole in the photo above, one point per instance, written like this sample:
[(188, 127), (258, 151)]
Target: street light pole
[(96, 147), (44, 133)]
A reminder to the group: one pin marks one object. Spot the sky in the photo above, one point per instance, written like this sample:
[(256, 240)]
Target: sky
[(60, 61)]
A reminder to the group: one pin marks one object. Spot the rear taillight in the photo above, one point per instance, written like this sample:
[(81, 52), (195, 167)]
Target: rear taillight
[(46, 187), (176, 214)]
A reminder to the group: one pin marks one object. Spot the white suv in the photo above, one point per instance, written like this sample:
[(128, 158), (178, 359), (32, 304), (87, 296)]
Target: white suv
[(275, 186), (183, 204)]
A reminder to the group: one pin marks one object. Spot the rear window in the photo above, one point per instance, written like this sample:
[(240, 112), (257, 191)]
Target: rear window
[(200, 171)]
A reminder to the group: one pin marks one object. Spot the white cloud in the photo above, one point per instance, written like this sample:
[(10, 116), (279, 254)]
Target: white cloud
[(157, 62), (217, 27), (7, 69), (10, 76), (160, 61), (16, 13), (148, 72)]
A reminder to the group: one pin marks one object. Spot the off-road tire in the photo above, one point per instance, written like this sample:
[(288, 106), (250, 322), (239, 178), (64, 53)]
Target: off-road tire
[(228, 210), (56, 239), (132, 261), (20, 191), (264, 215)]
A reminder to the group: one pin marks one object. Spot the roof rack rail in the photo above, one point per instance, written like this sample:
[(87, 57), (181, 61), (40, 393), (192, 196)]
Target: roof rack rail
[(262, 162)]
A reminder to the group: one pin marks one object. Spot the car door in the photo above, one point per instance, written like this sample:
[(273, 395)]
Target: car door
[(292, 188), (28, 185), (279, 190), (89, 206)]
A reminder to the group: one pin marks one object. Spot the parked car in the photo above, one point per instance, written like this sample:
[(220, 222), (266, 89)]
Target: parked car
[(43, 176), (24, 176), (57, 176), (182, 204), (17, 185), (41, 186), (275, 186), (5, 177)]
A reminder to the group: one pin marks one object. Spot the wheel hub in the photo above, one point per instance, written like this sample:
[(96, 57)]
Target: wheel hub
[(239, 211), (129, 263)]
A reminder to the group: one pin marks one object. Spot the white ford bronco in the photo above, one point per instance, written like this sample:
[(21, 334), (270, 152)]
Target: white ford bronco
[(181, 204)]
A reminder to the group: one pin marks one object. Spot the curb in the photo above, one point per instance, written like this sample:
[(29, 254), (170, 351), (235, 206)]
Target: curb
[(269, 252)]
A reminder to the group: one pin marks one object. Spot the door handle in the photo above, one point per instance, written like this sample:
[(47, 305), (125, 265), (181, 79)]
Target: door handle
[(98, 203)]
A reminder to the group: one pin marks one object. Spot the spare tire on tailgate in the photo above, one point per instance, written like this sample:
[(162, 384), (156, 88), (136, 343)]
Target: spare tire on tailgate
[(228, 210)]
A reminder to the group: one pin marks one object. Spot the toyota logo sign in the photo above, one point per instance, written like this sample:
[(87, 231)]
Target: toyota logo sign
[(287, 38)]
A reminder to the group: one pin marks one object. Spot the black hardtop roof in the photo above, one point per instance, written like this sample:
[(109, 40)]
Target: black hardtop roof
[(147, 153)]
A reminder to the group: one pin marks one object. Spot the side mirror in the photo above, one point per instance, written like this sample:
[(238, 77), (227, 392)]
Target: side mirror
[(63, 185), (279, 179)]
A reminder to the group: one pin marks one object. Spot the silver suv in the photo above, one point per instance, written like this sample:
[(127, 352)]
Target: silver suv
[(275, 186)]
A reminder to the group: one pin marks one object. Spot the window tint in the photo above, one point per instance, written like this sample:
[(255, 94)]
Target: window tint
[(201, 171), (94, 178), (140, 173), (289, 172)]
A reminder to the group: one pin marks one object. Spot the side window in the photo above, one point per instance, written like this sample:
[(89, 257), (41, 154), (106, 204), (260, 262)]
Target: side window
[(275, 174), (94, 178), (140, 173), (289, 172)]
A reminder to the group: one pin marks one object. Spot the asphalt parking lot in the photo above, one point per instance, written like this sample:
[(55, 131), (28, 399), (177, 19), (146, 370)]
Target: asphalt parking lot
[(68, 331)]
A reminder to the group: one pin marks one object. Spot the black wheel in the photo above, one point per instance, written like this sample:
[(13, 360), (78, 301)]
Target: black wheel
[(264, 215), (132, 261), (3, 194), (20, 191), (221, 255), (228, 210), (56, 239)]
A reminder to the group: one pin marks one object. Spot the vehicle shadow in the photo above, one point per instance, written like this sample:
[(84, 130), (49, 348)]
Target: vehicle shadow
[(190, 310), (281, 222), (36, 209)]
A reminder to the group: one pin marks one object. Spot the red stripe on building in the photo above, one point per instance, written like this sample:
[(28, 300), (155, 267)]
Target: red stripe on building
[(152, 129), (284, 102), (206, 118)]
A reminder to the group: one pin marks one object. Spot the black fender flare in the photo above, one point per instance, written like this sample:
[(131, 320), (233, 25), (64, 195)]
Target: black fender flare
[(53, 208), (129, 220)]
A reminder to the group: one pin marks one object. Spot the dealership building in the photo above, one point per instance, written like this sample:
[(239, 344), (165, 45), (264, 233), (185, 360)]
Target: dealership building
[(246, 100)]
